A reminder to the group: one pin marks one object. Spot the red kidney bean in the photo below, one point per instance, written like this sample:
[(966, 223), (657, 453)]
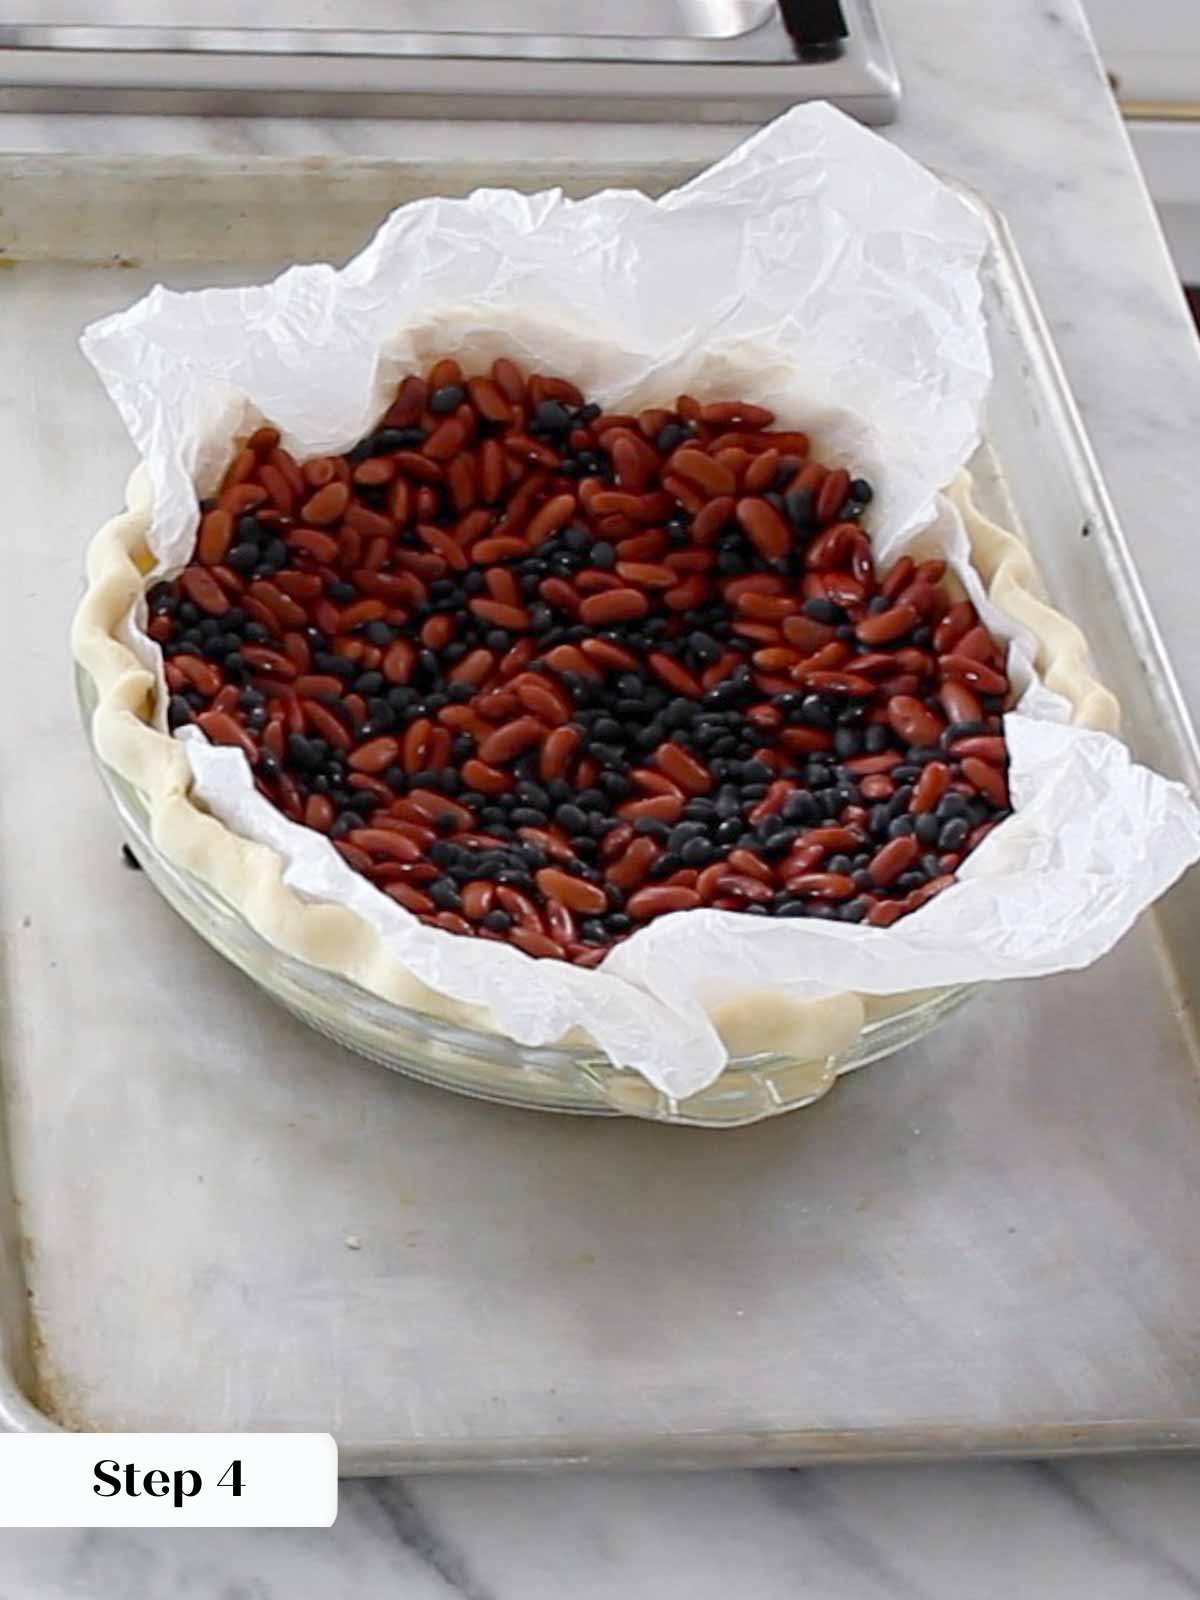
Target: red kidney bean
[(887, 626), (960, 703), (894, 858), (764, 527), (631, 868), (885, 912), (877, 786), (657, 901), (543, 701), (477, 899), (833, 839), (986, 747), (655, 782), (203, 590), (327, 505), (684, 769), (987, 779), (674, 675), (384, 842), (574, 893), (536, 944), (913, 721), (975, 674), (617, 605), (898, 578), (607, 654), (748, 865), (375, 756), (702, 472), (832, 494), (743, 887), (958, 620), (411, 899), (661, 808), (494, 611), (319, 813), (485, 778), (712, 519), (510, 740), (723, 412), (221, 728), (930, 786), (821, 885), (837, 683), (557, 752), (215, 537), (321, 721)]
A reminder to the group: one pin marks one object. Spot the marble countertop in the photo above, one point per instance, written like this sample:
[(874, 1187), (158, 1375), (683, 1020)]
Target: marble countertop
[(1012, 100)]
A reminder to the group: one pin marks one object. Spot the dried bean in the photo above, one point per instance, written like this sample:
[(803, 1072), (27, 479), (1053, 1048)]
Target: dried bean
[(507, 624)]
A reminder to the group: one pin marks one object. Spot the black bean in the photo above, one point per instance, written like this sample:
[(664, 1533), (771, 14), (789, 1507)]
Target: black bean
[(528, 817), (801, 507), (682, 832), (927, 828), (951, 805), (953, 834), (243, 557), (963, 730), (791, 908), (447, 399), (304, 753), (801, 807), (655, 829), (179, 713), (551, 416)]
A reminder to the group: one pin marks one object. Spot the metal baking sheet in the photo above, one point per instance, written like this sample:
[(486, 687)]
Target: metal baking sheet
[(986, 1244), (706, 61)]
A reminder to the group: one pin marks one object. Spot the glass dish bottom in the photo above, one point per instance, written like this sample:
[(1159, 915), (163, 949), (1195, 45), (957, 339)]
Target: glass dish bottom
[(490, 1066)]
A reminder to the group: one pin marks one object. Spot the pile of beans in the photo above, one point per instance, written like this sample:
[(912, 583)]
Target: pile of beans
[(544, 673)]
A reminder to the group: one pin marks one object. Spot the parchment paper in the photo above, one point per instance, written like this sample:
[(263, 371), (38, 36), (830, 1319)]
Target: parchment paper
[(816, 270)]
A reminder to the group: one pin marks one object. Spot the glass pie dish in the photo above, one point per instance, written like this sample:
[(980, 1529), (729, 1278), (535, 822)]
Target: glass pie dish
[(488, 1065)]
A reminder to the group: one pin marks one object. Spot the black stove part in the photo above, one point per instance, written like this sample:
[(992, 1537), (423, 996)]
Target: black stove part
[(818, 27)]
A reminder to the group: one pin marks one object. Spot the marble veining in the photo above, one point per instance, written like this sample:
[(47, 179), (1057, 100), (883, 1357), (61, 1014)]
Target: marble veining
[(1088, 1530), (1012, 100)]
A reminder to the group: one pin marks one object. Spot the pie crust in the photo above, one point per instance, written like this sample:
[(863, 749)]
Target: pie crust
[(249, 876)]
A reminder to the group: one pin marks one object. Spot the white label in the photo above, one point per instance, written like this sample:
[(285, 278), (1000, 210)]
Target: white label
[(168, 1480)]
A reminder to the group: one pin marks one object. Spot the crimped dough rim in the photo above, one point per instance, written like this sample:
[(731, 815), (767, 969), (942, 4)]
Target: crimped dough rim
[(249, 876)]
